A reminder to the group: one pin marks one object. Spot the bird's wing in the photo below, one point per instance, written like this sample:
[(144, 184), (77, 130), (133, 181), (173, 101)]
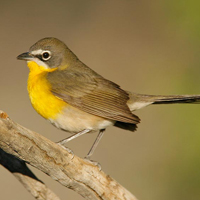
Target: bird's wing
[(92, 94)]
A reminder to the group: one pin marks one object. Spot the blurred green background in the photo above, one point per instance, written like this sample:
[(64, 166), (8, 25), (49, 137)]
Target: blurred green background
[(145, 46)]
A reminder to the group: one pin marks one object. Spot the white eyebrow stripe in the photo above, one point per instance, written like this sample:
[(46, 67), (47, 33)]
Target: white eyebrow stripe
[(37, 52)]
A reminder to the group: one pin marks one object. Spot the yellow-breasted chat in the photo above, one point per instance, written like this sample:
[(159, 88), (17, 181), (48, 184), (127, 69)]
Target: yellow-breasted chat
[(78, 100)]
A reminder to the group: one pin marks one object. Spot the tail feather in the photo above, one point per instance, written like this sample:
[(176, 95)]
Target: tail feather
[(138, 101), (178, 99), (126, 126)]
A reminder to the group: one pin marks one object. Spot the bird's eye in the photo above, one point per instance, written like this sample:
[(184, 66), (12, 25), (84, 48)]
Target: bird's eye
[(46, 55)]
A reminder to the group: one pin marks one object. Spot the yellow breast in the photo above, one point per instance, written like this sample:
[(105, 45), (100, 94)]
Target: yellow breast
[(43, 101)]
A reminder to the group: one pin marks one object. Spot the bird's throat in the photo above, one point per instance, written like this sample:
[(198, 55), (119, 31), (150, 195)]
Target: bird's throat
[(39, 89)]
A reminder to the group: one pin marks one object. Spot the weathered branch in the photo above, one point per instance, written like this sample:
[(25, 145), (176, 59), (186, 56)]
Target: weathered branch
[(54, 160), (20, 170)]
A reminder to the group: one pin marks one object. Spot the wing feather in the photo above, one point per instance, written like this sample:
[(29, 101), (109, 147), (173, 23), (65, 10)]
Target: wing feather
[(92, 93)]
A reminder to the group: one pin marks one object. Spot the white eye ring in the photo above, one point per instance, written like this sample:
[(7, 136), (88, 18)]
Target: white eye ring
[(46, 55)]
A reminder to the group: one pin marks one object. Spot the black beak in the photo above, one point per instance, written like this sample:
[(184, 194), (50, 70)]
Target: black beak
[(25, 56)]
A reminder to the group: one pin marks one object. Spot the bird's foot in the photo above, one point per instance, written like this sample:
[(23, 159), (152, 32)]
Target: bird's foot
[(95, 163), (67, 149)]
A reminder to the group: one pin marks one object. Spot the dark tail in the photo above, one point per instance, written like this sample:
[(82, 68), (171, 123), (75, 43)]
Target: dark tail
[(138, 101), (177, 99)]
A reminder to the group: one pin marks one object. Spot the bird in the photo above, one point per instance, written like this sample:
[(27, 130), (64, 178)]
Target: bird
[(76, 99)]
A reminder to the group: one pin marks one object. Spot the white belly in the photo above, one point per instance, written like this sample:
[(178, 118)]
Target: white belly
[(74, 120)]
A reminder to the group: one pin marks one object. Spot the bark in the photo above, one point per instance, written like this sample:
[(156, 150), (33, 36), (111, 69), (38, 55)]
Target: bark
[(20, 145)]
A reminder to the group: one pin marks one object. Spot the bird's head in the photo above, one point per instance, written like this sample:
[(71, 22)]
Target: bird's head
[(48, 54)]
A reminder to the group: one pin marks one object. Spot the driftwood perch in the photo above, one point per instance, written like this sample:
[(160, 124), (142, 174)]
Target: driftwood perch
[(20, 145)]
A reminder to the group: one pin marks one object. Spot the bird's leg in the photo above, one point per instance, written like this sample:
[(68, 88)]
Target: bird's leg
[(64, 141), (96, 142)]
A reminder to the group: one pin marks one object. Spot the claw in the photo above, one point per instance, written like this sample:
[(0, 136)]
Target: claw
[(95, 163), (67, 149)]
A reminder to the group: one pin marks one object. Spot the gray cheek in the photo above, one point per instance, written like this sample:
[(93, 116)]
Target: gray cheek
[(54, 62)]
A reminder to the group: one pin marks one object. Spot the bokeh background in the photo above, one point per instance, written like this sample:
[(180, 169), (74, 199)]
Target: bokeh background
[(145, 46)]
